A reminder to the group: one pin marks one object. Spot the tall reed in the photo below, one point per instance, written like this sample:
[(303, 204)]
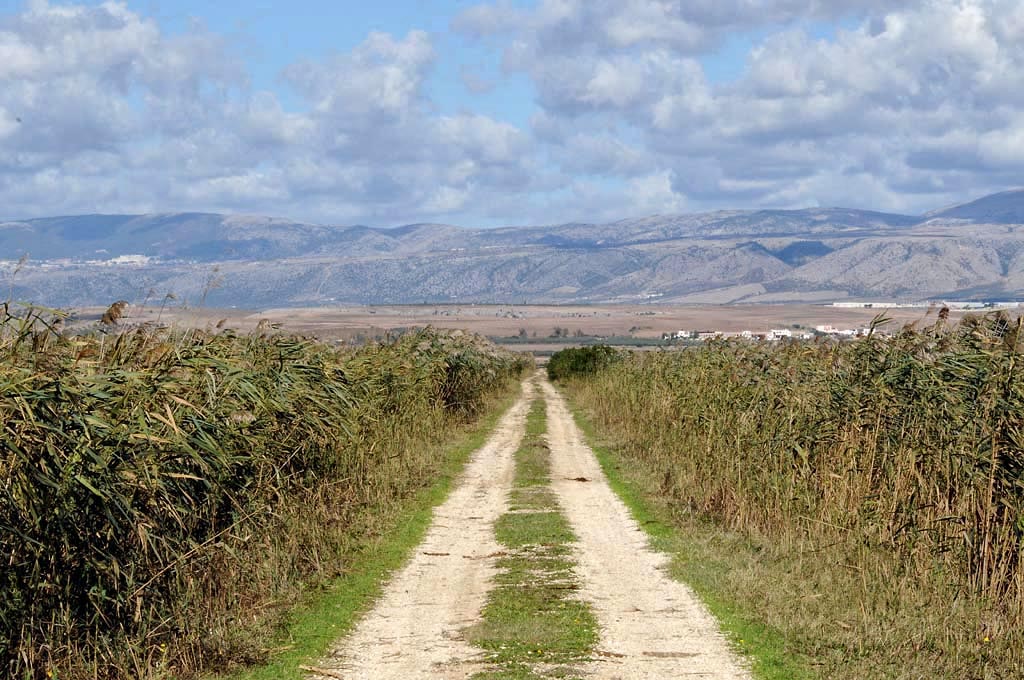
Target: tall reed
[(160, 488), (905, 451)]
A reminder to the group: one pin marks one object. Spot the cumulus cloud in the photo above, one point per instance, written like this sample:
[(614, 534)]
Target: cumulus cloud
[(903, 105), (381, 79), (116, 115), (894, 104), (682, 25)]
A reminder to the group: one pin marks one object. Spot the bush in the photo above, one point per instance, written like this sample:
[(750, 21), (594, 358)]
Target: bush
[(578, 361)]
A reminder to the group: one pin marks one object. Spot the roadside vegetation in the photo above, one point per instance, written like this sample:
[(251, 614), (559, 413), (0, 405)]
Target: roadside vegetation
[(581, 361), (859, 505), (533, 626), (167, 497)]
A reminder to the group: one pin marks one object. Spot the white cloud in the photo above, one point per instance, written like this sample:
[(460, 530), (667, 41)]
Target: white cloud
[(655, 194), (117, 115), (447, 200), (894, 104), (908, 105), (383, 77)]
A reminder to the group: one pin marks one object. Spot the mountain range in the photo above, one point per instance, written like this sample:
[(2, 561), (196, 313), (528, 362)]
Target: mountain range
[(969, 251)]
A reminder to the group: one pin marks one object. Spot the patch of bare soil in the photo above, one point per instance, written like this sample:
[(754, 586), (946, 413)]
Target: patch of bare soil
[(651, 626), (414, 630)]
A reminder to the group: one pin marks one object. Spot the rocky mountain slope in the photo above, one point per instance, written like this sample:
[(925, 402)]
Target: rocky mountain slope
[(975, 250)]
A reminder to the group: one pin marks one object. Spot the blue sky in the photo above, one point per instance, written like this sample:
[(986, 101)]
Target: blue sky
[(506, 112), (272, 34)]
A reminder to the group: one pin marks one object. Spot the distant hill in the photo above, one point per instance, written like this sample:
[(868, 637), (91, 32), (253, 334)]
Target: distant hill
[(975, 250), (1006, 207), (187, 236)]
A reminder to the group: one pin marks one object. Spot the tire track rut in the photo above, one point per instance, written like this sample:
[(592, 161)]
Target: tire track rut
[(651, 626), (414, 631)]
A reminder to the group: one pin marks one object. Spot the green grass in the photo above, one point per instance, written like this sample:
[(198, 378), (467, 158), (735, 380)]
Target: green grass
[(530, 486), (702, 557), (331, 613), (524, 529), (532, 625)]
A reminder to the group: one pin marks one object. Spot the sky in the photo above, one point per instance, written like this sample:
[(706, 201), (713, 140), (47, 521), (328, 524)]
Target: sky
[(506, 112)]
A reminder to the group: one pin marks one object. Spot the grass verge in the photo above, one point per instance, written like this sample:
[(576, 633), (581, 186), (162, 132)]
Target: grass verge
[(702, 557), (532, 625), (330, 613)]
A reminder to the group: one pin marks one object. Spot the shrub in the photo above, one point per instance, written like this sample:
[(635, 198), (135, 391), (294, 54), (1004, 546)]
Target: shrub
[(578, 361)]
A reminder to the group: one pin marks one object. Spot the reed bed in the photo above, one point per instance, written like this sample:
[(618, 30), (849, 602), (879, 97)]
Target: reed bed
[(166, 495), (888, 471)]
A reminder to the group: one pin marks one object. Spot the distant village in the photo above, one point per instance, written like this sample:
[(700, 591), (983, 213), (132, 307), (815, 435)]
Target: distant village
[(772, 335), (951, 304), (800, 333)]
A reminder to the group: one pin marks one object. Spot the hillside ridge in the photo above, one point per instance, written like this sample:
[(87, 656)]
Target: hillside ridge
[(972, 250)]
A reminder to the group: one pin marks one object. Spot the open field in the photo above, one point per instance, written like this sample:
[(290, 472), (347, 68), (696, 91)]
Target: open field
[(830, 499), (350, 323)]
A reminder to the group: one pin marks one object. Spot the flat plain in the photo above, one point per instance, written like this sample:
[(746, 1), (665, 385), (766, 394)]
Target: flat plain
[(538, 322)]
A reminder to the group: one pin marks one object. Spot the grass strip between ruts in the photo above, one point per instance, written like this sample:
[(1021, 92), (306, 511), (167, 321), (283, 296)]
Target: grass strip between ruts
[(532, 625), (696, 563), (330, 613)]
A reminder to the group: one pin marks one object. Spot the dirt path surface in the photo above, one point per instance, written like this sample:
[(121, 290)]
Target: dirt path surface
[(651, 626), (414, 630)]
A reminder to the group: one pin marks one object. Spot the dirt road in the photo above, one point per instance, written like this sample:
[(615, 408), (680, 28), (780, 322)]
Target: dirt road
[(651, 626), (414, 630)]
